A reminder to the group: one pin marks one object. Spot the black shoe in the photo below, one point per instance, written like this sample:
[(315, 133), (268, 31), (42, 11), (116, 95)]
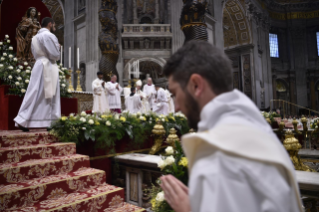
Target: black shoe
[(23, 128)]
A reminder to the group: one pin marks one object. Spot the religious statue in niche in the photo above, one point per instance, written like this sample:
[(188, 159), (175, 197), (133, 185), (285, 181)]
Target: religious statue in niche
[(27, 28), (108, 38)]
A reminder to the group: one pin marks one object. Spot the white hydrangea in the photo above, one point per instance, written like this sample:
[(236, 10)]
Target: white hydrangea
[(25, 63), (160, 197), (10, 67), (5, 54), (19, 78), (63, 85), (83, 113), (2, 58), (27, 81), (10, 48), (10, 56), (83, 128), (161, 164), (8, 41), (91, 122), (15, 59), (1, 43), (170, 160), (169, 150), (72, 115), (27, 71), (17, 83), (23, 90), (108, 123), (20, 67), (18, 70), (117, 116), (83, 119), (10, 77), (69, 91), (29, 67), (6, 36), (1, 65)]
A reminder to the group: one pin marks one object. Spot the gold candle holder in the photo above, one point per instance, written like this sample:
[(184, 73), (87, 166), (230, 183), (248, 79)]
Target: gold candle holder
[(78, 87), (69, 77)]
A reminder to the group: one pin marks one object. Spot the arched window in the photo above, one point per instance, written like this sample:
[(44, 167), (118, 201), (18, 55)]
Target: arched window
[(274, 47), (318, 42)]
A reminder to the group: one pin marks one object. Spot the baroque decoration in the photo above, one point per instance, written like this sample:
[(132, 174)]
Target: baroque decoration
[(27, 28), (192, 20), (108, 38)]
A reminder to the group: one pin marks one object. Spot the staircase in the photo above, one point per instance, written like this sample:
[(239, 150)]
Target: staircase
[(39, 174)]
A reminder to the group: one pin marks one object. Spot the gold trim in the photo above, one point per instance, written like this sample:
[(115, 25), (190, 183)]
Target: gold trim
[(111, 52), (193, 24), (83, 200), (35, 146)]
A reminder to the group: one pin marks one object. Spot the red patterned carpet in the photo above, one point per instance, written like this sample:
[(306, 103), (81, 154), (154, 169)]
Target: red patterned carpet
[(39, 174)]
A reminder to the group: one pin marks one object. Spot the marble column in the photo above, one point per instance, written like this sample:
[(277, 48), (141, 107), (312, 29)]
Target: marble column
[(119, 17), (135, 20), (92, 34), (178, 35), (69, 35), (156, 20)]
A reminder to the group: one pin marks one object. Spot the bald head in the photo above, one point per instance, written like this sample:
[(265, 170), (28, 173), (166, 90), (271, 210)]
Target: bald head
[(114, 78)]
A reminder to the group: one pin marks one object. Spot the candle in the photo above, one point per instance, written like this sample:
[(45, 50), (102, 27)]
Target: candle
[(61, 61), (78, 58), (70, 57)]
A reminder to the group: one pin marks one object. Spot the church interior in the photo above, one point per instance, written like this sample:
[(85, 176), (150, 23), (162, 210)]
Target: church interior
[(112, 162)]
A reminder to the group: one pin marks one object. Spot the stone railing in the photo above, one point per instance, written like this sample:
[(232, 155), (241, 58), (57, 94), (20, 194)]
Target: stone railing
[(146, 28)]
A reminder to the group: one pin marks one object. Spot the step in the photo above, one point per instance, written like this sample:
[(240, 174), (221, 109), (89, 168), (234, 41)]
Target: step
[(27, 170), (18, 138), (104, 198), (39, 151), (31, 191)]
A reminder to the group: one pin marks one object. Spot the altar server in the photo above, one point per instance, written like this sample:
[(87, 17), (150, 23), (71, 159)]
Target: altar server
[(41, 104), (161, 106), (100, 100), (145, 104), (114, 95), (150, 92), (235, 161), (133, 102)]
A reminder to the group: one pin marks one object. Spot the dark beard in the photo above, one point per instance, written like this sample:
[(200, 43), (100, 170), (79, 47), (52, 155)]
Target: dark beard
[(52, 30), (193, 112)]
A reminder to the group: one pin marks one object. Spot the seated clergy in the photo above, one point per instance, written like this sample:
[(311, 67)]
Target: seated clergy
[(161, 106), (100, 100), (133, 102), (145, 104)]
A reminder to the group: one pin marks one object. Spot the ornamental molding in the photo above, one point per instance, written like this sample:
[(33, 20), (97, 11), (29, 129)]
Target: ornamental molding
[(259, 16)]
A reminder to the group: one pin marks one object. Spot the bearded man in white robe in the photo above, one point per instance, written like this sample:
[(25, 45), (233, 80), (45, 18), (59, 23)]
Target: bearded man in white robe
[(150, 92), (161, 106), (114, 95), (41, 104), (145, 103), (100, 100), (236, 163), (133, 102)]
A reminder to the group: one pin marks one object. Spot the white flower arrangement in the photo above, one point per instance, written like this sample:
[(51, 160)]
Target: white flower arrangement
[(1, 65), (8, 41), (28, 71), (169, 150), (69, 91), (160, 196), (17, 83), (10, 68), (6, 36), (83, 113), (18, 70), (161, 164), (11, 48), (83, 128), (5, 54), (10, 77), (29, 67), (10, 56), (20, 67), (170, 160), (108, 123), (15, 59), (91, 122), (19, 78), (63, 85), (27, 81), (25, 63), (2, 59), (83, 119), (1, 43), (23, 90)]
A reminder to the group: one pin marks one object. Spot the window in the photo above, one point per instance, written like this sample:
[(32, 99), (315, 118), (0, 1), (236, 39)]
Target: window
[(318, 42), (273, 42)]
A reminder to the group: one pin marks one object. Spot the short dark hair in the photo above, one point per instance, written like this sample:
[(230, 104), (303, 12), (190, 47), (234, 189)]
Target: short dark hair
[(46, 21), (200, 57), (99, 73)]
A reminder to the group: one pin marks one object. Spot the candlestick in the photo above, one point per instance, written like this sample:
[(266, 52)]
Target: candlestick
[(78, 58), (61, 61), (70, 57), (70, 80), (78, 87)]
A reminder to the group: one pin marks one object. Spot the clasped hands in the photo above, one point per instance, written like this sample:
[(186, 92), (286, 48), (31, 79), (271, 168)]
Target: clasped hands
[(176, 194)]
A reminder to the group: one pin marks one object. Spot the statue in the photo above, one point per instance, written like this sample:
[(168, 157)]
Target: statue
[(192, 20), (107, 38), (27, 28)]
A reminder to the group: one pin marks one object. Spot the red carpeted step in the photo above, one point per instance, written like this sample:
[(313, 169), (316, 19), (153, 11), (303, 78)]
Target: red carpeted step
[(104, 198), (39, 151), (27, 170), (31, 191), (19, 138)]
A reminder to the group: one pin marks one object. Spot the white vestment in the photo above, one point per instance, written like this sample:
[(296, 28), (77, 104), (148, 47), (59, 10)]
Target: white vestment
[(171, 105), (161, 105), (150, 93), (236, 162), (100, 100), (114, 95), (145, 103), (41, 104), (133, 104)]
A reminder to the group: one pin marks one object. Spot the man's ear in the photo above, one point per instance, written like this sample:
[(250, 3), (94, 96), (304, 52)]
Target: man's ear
[(195, 85)]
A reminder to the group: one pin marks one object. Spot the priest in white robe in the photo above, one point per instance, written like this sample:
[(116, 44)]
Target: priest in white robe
[(235, 161), (133, 103), (161, 106), (150, 92), (145, 103), (114, 95), (171, 106), (100, 100), (41, 104)]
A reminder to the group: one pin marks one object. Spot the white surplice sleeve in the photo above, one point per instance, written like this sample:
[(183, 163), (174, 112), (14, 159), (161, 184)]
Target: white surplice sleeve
[(223, 183), (161, 96), (111, 88), (51, 47), (97, 87)]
